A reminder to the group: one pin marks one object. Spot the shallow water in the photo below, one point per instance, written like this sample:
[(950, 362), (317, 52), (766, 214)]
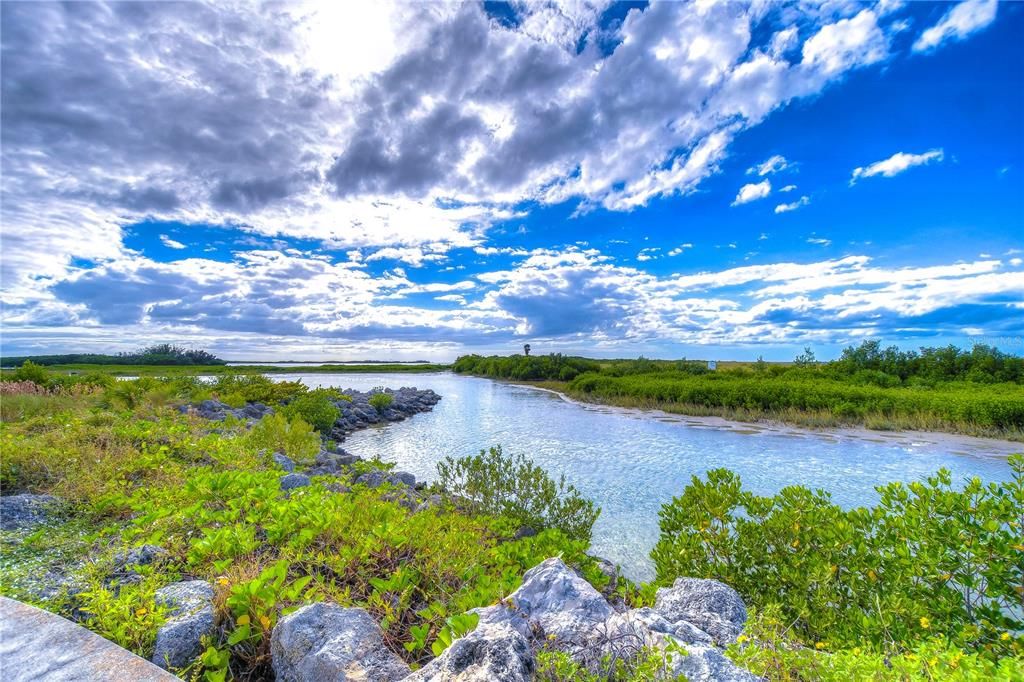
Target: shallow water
[(631, 462)]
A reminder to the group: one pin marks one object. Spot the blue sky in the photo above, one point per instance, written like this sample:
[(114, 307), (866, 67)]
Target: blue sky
[(707, 180)]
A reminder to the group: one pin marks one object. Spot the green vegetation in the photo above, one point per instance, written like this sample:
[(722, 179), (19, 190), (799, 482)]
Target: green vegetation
[(979, 392), (381, 401), (138, 471), (316, 408), (926, 585), (513, 487), (930, 565), (160, 354)]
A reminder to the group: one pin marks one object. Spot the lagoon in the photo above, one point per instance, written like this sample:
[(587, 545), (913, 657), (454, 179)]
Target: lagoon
[(630, 462)]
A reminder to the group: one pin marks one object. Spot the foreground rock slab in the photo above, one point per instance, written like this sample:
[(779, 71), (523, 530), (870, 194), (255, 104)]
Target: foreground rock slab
[(179, 640), (324, 641), (37, 645)]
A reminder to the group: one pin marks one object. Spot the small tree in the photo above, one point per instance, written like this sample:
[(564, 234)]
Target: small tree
[(805, 359), (526, 349)]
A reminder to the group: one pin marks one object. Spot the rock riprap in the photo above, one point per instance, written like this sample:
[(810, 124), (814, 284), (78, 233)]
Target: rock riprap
[(324, 641), (190, 618), (216, 410), (359, 413)]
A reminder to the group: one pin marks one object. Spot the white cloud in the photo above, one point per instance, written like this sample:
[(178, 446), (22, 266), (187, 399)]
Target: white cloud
[(847, 43), (753, 192), (170, 243), (679, 249), (788, 188), (773, 165), (958, 23), (792, 206), (819, 241), (896, 164)]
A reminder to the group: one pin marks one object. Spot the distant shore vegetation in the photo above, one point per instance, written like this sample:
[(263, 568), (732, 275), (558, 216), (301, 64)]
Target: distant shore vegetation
[(159, 354), (977, 392)]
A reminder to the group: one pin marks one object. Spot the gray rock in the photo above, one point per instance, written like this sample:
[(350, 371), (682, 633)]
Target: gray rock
[(484, 655), (324, 641), (179, 640), (715, 608), (292, 481), (372, 479), (142, 555), (431, 502), (284, 462), (708, 664), (552, 600), (26, 511), (402, 478)]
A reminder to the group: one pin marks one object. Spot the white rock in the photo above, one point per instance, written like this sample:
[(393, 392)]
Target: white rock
[(487, 654), (711, 606)]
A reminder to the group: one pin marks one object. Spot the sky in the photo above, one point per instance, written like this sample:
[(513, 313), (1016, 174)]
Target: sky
[(421, 180)]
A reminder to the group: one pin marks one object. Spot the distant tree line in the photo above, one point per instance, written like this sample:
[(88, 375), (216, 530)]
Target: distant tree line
[(160, 354), (868, 364)]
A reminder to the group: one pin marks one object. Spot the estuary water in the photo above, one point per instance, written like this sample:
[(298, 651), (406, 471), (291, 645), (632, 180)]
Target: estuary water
[(630, 462)]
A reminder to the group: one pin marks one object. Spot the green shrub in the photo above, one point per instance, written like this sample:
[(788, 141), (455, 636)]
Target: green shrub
[(514, 488), (30, 371), (929, 559), (315, 408), (381, 401), (277, 433)]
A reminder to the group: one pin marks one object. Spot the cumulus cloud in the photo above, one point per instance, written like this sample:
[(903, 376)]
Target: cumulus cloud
[(958, 23), (793, 205), (752, 192), (896, 164)]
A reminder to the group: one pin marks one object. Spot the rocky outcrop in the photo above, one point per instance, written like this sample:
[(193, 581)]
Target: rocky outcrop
[(324, 641), (484, 655), (190, 618), (555, 607), (359, 413), (22, 512), (282, 461)]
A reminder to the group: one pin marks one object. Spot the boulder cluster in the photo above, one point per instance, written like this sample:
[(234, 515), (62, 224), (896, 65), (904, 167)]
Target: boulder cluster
[(690, 623)]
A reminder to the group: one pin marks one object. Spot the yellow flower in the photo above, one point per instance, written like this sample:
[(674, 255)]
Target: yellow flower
[(819, 645), (856, 651), (796, 543), (741, 639), (872, 575), (265, 622), (222, 581), (1005, 636), (141, 612), (925, 622)]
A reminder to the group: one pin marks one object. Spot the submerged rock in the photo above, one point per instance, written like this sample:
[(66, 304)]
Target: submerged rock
[(179, 640), (324, 641), (18, 512)]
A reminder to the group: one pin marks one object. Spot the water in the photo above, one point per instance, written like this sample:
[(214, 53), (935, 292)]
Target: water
[(631, 462)]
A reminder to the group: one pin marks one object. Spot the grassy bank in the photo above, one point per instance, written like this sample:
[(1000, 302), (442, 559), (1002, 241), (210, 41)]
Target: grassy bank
[(220, 370), (979, 395)]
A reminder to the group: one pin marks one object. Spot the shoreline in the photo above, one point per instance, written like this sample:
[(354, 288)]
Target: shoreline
[(958, 443)]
